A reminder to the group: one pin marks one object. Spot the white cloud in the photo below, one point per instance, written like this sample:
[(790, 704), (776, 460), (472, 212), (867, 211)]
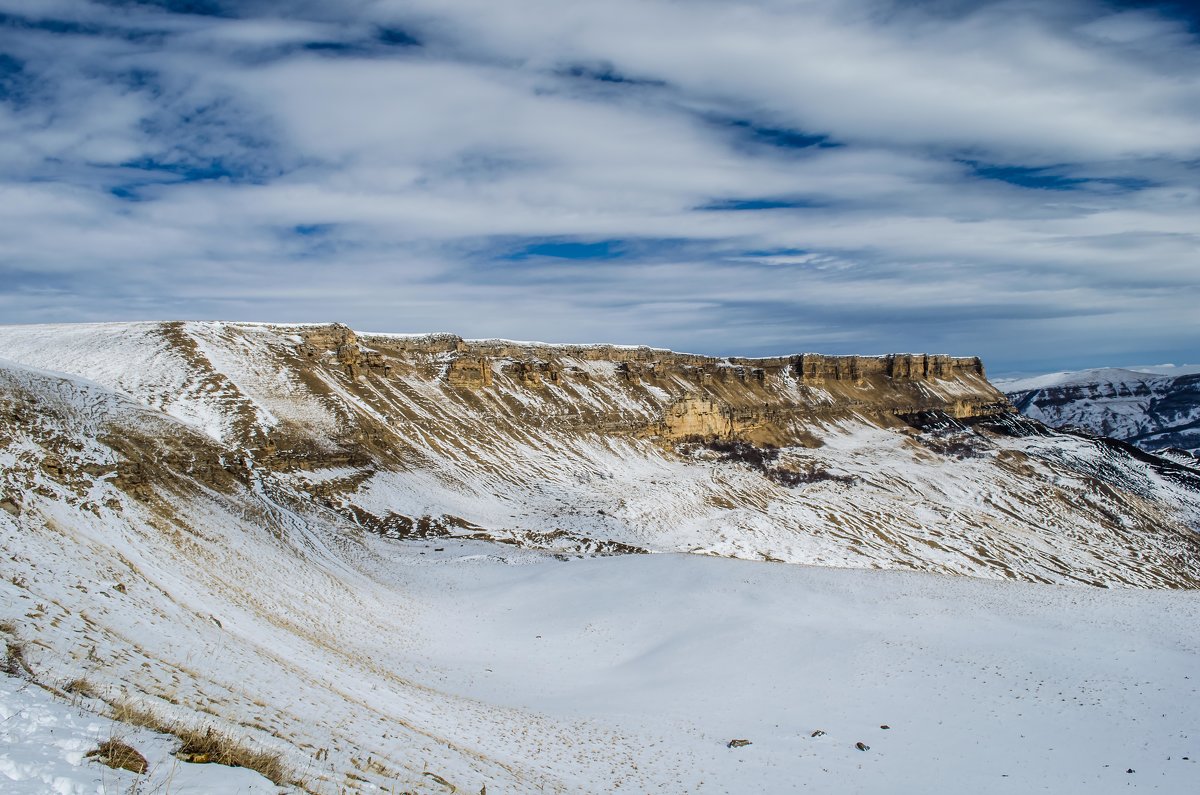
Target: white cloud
[(159, 164)]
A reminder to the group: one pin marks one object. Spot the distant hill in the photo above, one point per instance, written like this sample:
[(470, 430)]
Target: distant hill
[(1156, 411)]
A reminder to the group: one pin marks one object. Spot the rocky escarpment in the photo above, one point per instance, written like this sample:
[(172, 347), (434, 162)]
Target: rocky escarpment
[(659, 393)]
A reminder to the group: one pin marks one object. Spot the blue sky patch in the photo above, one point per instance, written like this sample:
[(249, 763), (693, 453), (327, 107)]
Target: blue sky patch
[(777, 137), (188, 171), (607, 73), (128, 193), (1040, 178), (56, 26), (313, 230), (569, 250), (759, 204), (204, 8), (13, 80), (397, 37)]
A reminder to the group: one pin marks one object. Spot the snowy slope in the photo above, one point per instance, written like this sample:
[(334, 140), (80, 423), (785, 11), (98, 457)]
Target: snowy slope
[(631, 673), (1104, 377), (181, 369), (1152, 410)]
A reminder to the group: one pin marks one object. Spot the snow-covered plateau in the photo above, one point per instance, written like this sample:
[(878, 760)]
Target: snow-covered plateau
[(424, 564)]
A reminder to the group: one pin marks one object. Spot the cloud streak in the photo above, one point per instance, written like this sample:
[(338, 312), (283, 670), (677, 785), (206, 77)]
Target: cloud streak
[(747, 176)]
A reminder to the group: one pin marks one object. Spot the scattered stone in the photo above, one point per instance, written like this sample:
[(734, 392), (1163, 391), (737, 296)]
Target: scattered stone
[(737, 743), (885, 726), (1130, 770), (119, 587), (862, 746), (818, 733)]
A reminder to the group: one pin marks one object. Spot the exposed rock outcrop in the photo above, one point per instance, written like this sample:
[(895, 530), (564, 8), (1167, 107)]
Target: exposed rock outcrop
[(654, 392), (469, 372)]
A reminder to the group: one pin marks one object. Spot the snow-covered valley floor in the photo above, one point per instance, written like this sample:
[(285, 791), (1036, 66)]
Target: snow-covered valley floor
[(632, 674), (986, 686)]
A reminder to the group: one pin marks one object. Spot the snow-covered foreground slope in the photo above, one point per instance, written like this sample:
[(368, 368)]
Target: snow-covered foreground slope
[(1152, 410), (985, 687), (632, 673)]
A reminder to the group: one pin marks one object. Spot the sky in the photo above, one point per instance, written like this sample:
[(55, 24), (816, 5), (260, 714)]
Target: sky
[(1016, 179)]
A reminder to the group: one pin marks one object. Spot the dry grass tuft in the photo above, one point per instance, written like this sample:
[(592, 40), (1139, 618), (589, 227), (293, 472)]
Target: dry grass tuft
[(119, 756), (202, 746), (80, 687), (435, 777), (126, 712), (14, 651), (14, 658)]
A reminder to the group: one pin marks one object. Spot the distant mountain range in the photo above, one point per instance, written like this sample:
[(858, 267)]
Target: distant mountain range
[(1155, 408)]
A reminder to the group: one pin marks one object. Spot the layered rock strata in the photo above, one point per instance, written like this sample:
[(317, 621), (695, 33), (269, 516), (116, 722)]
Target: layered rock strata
[(655, 392)]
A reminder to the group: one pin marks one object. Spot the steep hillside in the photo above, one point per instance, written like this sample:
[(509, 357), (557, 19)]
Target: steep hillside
[(1153, 411)]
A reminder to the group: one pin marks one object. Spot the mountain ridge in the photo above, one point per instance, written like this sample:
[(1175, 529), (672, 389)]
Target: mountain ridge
[(908, 461), (1157, 412)]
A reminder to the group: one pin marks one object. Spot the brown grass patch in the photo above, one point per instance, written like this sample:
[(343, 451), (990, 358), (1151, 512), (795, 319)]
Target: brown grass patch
[(125, 712), (80, 687), (119, 756), (14, 658), (203, 746)]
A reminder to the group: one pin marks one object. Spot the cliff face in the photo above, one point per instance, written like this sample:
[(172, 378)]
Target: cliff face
[(662, 394)]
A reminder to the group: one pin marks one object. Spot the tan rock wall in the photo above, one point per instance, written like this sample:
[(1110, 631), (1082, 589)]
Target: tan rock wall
[(698, 417), (655, 392), (470, 372)]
